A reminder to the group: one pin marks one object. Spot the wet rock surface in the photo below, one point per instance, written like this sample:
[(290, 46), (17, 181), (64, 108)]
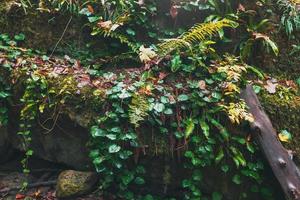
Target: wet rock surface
[(65, 143)]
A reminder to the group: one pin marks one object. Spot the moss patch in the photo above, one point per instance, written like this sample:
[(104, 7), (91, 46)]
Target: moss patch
[(283, 108)]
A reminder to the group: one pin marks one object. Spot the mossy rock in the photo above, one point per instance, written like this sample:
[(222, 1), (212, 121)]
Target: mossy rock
[(74, 183), (283, 108)]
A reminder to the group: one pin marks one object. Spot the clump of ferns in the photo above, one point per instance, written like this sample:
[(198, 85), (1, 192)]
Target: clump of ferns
[(290, 18), (196, 34)]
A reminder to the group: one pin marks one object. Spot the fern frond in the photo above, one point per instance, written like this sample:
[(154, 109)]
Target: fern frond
[(197, 33), (122, 38), (138, 109)]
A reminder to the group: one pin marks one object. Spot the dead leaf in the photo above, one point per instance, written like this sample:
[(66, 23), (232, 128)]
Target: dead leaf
[(146, 54), (260, 35), (285, 136), (105, 24), (241, 8), (173, 11), (202, 85), (90, 9), (162, 75), (141, 2), (271, 87)]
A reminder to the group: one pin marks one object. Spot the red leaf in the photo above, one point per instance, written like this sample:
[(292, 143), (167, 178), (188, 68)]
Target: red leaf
[(20, 196), (173, 11)]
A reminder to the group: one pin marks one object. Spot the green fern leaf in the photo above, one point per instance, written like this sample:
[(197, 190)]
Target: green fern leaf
[(197, 33), (138, 109)]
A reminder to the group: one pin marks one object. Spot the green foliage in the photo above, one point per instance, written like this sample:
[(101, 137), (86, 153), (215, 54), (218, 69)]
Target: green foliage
[(138, 109), (256, 35), (189, 92), (197, 33), (7, 45), (290, 18)]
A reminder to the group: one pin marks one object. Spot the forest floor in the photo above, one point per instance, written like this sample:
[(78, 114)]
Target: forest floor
[(42, 181)]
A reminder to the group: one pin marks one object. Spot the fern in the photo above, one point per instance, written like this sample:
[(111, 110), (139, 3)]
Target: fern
[(138, 109), (197, 33), (290, 18), (119, 36)]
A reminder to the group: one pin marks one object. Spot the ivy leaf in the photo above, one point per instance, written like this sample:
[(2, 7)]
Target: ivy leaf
[(125, 154), (189, 128), (20, 37), (29, 153), (168, 111), (183, 97), (130, 31), (4, 94), (127, 178), (298, 81), (159, 107), (285, 136), (98, 160), (216, 196), (197, 175), (111, 136), (220, 156), (186, 183), (93, 19), (114, 148), (256, 89), (204, 126), (85, 11), (225, 168), (175, 63), (237, 179), (97, 132), (238, 157), (139, 181)]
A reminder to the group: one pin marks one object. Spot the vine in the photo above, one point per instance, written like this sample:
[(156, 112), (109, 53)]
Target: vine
[(186, 92)]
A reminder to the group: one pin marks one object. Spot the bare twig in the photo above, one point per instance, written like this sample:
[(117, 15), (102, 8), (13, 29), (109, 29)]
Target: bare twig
[(62, 35)]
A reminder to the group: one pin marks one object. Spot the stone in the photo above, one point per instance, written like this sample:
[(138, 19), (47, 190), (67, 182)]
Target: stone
[(66, 144), (72, 183), (5, 147)]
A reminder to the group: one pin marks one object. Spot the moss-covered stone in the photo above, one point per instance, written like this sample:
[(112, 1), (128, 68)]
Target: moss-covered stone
[(283, 108), (74, 183)]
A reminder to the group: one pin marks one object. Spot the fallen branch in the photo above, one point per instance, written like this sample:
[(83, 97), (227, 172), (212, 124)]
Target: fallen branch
[(278, 157)]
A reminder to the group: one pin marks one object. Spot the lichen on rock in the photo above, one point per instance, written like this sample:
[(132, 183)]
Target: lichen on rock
[(74, 183)]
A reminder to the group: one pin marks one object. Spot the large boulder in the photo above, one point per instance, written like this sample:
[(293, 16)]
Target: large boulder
[(65, 143), (74, 183), (5, 147)]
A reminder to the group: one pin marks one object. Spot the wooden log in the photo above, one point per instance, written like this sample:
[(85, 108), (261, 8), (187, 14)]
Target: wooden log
[(277, 156)]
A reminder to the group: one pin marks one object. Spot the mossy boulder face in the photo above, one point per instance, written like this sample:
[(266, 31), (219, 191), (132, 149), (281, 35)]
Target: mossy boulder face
[(74, 183), (283, 108)]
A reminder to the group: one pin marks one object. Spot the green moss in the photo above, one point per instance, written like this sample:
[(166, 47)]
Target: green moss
[(283, 108)]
